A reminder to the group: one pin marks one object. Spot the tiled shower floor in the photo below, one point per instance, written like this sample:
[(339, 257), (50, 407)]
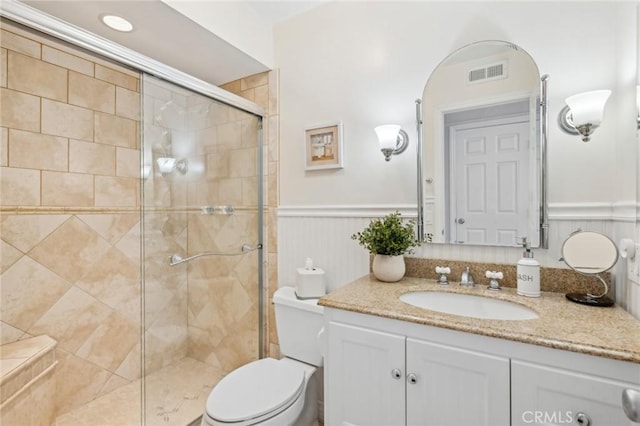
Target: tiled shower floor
[(176, 396)]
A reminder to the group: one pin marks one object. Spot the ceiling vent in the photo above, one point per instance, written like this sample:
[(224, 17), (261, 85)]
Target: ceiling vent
[(490, 72)]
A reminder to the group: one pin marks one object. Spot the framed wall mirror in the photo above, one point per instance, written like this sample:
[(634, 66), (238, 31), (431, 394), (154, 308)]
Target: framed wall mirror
[(482, 177)]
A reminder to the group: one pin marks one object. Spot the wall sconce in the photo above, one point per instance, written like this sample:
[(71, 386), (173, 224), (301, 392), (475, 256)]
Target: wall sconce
[(583, 113), (393, 140), (168, 165)]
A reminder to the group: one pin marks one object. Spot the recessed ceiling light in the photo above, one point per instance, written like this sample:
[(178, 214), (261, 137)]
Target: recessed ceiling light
[(117, 23)]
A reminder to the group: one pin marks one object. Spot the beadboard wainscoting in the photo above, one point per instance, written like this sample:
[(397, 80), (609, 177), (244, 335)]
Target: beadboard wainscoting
[(323, 234)]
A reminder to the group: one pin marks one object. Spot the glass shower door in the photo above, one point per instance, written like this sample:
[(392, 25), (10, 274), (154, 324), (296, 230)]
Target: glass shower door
[(202, 198)]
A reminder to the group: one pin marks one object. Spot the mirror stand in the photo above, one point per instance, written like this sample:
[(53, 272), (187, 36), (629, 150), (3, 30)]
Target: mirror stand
[(590, 299), (590, 253)]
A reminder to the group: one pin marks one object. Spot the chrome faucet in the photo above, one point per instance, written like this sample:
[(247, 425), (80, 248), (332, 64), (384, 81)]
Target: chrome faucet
[(467, 279)]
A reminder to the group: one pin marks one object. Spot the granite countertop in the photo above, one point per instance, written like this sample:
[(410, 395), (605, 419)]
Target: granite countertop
[(607, 332)]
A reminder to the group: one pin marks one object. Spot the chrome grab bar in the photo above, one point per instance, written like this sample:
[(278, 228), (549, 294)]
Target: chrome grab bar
[(176, 259)]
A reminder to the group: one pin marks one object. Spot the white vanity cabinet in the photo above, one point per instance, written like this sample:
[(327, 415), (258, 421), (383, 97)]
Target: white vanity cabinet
[(381, 371), (546, 395), (378, 378)]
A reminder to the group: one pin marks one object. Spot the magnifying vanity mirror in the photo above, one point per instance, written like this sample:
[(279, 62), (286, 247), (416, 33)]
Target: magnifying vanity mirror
[(482, 177), (590, 253)]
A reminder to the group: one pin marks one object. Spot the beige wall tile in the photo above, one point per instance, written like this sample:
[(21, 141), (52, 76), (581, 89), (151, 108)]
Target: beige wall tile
[(20, 283), (232, 86), (113, 130), (3, 67), (116, 191), (230, 191), (242, 162), (261, 79), (116, 77), (39, 78), (20, 187), (66, 60), (4, 146), (273, 137), (127, 103), (25, 231), (115, 281), (71, 250), (274, 81), (17, 43), (82, 382), (93, 158), (110, 343), (127, 162), (250, 191), (112, 227), (37, 151), (130, 367), (249, 94), (8, 256), (87, 314), (67, 120), (67, 189), (272, 185), (19, 110), (249, 129), (91, 93), (261, 96), (129, 244)]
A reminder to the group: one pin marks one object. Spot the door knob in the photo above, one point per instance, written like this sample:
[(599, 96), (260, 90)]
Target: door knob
[(460, 220), (412, 378), (631, 404), (396, 373)]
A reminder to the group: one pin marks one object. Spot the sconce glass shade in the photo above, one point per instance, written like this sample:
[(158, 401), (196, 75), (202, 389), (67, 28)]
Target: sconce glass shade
[(393, 140), (588, 107), (388, 136)]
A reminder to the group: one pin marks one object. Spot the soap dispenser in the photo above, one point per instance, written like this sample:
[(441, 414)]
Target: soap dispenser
[(528, 270)]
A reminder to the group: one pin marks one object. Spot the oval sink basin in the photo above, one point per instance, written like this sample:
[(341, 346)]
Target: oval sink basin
[(468, 305)]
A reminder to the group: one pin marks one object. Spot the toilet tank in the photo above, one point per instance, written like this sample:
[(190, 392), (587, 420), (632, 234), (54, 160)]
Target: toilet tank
[(298, 323)]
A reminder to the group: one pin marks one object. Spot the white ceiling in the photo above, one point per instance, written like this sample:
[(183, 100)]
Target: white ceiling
[(165, 35)]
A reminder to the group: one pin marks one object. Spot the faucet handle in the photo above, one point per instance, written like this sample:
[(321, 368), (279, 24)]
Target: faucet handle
[(443, 271), (494, 276)]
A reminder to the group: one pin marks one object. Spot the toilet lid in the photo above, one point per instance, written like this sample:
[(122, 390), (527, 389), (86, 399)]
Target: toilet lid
[(258, 389)]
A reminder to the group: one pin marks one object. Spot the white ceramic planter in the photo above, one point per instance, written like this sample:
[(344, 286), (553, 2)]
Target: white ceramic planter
[(388, 268)]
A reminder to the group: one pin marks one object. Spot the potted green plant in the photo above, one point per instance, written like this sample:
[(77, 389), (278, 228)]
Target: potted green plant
[(388, 239)]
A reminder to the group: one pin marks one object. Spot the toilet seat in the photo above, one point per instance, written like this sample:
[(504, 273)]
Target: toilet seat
[(255, 392)]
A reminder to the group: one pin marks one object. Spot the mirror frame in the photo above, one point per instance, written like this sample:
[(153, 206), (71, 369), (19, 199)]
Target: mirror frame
[(543, 106)]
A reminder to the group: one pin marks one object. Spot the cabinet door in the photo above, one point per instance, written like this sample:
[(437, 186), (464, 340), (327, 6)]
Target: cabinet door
[(545, 395), (455, 387), (364, 373)]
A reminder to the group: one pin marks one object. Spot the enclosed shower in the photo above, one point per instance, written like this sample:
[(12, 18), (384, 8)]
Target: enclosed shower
[(132, 230), (202, 239)]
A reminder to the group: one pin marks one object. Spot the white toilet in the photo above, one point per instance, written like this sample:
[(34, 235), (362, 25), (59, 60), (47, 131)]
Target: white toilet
[(270, 391)]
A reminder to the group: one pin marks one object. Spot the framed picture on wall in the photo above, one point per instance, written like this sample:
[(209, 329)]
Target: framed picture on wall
[(323, 147)]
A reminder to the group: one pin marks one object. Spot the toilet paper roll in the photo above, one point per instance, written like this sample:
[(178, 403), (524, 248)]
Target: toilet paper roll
[(627, 248)]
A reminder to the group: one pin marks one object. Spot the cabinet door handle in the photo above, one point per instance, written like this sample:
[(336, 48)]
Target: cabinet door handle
[(631, 404), (412, 378), (396, 373), (583, 419)]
